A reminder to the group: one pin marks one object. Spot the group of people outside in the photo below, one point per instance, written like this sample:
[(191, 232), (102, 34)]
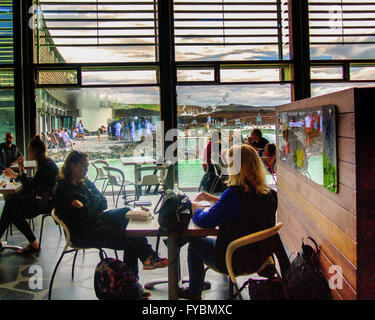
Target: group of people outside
[(130, 129)]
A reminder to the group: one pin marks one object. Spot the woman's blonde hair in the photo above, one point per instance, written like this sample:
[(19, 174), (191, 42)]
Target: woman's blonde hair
[(251, 173)]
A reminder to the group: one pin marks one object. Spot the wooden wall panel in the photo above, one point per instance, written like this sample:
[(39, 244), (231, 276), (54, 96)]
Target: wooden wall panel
[(345, 128), (347, 174), (343, 222), (343, 100), (346, 150), (301, 226)]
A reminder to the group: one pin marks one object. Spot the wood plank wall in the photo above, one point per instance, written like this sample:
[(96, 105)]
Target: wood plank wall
[(306, 208)]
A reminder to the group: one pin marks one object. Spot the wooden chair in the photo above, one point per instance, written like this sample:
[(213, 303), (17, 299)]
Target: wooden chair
[(243, 241)]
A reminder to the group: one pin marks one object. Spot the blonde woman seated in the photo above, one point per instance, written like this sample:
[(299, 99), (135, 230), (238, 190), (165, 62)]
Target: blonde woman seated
[(247, 206)]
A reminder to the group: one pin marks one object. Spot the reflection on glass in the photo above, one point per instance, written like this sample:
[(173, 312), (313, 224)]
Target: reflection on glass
[(326, 73), (7, 120), (195, 74), (307, 143), (119, 77), (246, 75), (105, 123)]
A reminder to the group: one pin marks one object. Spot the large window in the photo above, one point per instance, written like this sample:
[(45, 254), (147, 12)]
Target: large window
[(342, 44), (342, 29), (96, 31), (7, 119), (233, 67), (96, 67)]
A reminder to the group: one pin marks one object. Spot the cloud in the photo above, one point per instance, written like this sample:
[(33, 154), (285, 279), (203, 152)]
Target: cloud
[(254, 95)]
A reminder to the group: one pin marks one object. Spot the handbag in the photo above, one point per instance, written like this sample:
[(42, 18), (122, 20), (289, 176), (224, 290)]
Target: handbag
[(303, 279), (266, 289), (175, 211)]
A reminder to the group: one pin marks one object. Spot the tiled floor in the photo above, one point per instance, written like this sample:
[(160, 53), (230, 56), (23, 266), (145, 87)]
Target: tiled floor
[(28, 277)]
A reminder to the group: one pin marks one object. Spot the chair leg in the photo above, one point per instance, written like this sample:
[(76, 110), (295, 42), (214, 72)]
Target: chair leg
[(41, 229), (105, 183), (53, 275), (113, 194), (230, 289), (74, 262), (104, 188), (118, 195)]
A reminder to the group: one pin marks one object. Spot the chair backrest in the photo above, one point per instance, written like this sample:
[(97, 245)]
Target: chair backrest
[(246, 240), (99, 167), (115, 176), (150, 179), (65, 228)]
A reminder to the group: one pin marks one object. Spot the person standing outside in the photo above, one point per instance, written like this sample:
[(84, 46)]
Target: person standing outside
[(9, 152), (80, 130)]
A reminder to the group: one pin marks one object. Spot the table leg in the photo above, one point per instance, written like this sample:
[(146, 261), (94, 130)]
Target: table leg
[(173, 258)]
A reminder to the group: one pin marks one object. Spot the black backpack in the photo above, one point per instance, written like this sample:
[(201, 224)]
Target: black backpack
[(114, 280), (175, 211), (303, 279)]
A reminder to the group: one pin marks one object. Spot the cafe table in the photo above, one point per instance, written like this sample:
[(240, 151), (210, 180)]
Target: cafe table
[(29, 166), (9, 189), (150, 228)]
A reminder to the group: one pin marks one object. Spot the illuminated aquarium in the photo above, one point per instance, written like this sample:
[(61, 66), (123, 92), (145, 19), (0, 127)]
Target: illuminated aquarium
[(307, 143)]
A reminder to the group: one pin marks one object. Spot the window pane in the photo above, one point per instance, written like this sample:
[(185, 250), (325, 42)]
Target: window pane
[(119, 77), (7, 117), (227, 30), (93, 31), (195, 75), (326, 73), (57, 77), (243, 75), (6, 78), (342, 30), (237, 108), (115, 122), (6, 32), (318, 89), (362, 73)]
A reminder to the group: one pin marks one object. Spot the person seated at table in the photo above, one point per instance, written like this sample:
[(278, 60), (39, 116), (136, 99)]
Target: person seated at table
[(247, 206), (82, 207), (269, 157), (66, 138), (34, 198), (257, 141), (9, 152)]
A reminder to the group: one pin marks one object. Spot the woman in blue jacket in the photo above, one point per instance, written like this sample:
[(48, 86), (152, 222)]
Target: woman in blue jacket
[(247, 206)]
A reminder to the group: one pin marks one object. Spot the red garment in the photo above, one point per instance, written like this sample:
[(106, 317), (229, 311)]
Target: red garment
[(206, 157)]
